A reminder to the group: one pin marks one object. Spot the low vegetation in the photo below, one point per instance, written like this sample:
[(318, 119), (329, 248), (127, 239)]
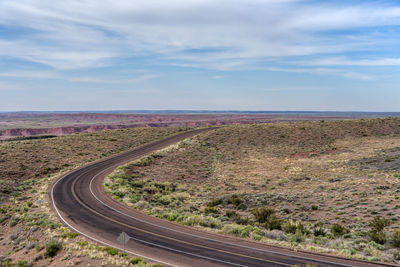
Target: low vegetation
[(30, 234), (321, 186), (32, 159)]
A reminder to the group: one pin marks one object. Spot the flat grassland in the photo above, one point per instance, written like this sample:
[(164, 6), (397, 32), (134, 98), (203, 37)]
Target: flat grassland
[(325, 186)]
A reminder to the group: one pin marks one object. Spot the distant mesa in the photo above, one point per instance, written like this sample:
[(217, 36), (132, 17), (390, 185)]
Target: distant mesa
[(47, 123)]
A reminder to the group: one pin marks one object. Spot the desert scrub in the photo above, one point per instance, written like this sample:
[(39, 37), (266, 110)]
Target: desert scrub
[(110, 251), (37, 158), (338, 230), (67, 234), (267, 217), (243, 231), (137, 261), (395, 239), (52, 248), (295, 182), (14, 220), (376, 233), (22, 263)]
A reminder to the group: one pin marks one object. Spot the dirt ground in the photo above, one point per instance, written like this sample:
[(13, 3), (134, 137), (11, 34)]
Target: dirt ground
[(319, 173)]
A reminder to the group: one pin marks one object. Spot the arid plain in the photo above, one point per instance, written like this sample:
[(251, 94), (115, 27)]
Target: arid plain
[(324, 186)]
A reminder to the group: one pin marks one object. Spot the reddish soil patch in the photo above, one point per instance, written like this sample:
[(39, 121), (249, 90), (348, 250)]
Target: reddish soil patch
[(12, 125)]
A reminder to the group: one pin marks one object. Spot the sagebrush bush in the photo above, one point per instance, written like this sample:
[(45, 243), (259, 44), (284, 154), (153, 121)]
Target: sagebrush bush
[(211, 210), (215, 202), (395, 239), (290, 227), (377, 226), (235, 200), (338, 230), (377, 236), (137, 260), (379, 223), (52, 248), (273, 223), (111, 251), (262, 214), (14, 221), (319, 229)]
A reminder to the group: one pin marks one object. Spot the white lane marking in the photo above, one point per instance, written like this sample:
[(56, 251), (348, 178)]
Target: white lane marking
[(139, 240), (197, 255), (95, 239), (193, 235)]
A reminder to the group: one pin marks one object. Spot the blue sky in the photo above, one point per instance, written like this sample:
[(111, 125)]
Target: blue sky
[(192, 54)]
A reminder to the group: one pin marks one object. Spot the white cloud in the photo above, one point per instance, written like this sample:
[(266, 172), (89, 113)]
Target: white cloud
[(326, 71), (227, 33), (84, 79), (341, 61), (113, 80)]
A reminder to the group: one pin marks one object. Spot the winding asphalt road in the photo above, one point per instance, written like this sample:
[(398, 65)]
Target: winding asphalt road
[(80, 201)]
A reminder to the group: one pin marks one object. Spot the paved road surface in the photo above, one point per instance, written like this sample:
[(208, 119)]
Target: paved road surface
[(81, 203)]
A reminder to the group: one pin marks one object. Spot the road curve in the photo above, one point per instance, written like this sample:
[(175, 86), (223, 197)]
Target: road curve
[(81, 203)]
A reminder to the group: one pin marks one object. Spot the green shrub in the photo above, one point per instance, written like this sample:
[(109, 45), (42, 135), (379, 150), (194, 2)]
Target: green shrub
[(319, 229), (172, 216), (377, 226), (82, 243), (262, 214), (239, 230), (52, 248), (395, 239), (111, 251), (119, 194), (232, 214), (215, 202), (134, 198), (338, 230), (290, 227), (301, 228), (23, 263), (137, 260), (377, 236), (235, 200), (209, 210), (165, 199), (379, 223), (273, 223), (256, 237), (298, 237), (350, 251), (242, 206), (192, 220), (211, 222), (70, 235), (377, 245), (13, 221)]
